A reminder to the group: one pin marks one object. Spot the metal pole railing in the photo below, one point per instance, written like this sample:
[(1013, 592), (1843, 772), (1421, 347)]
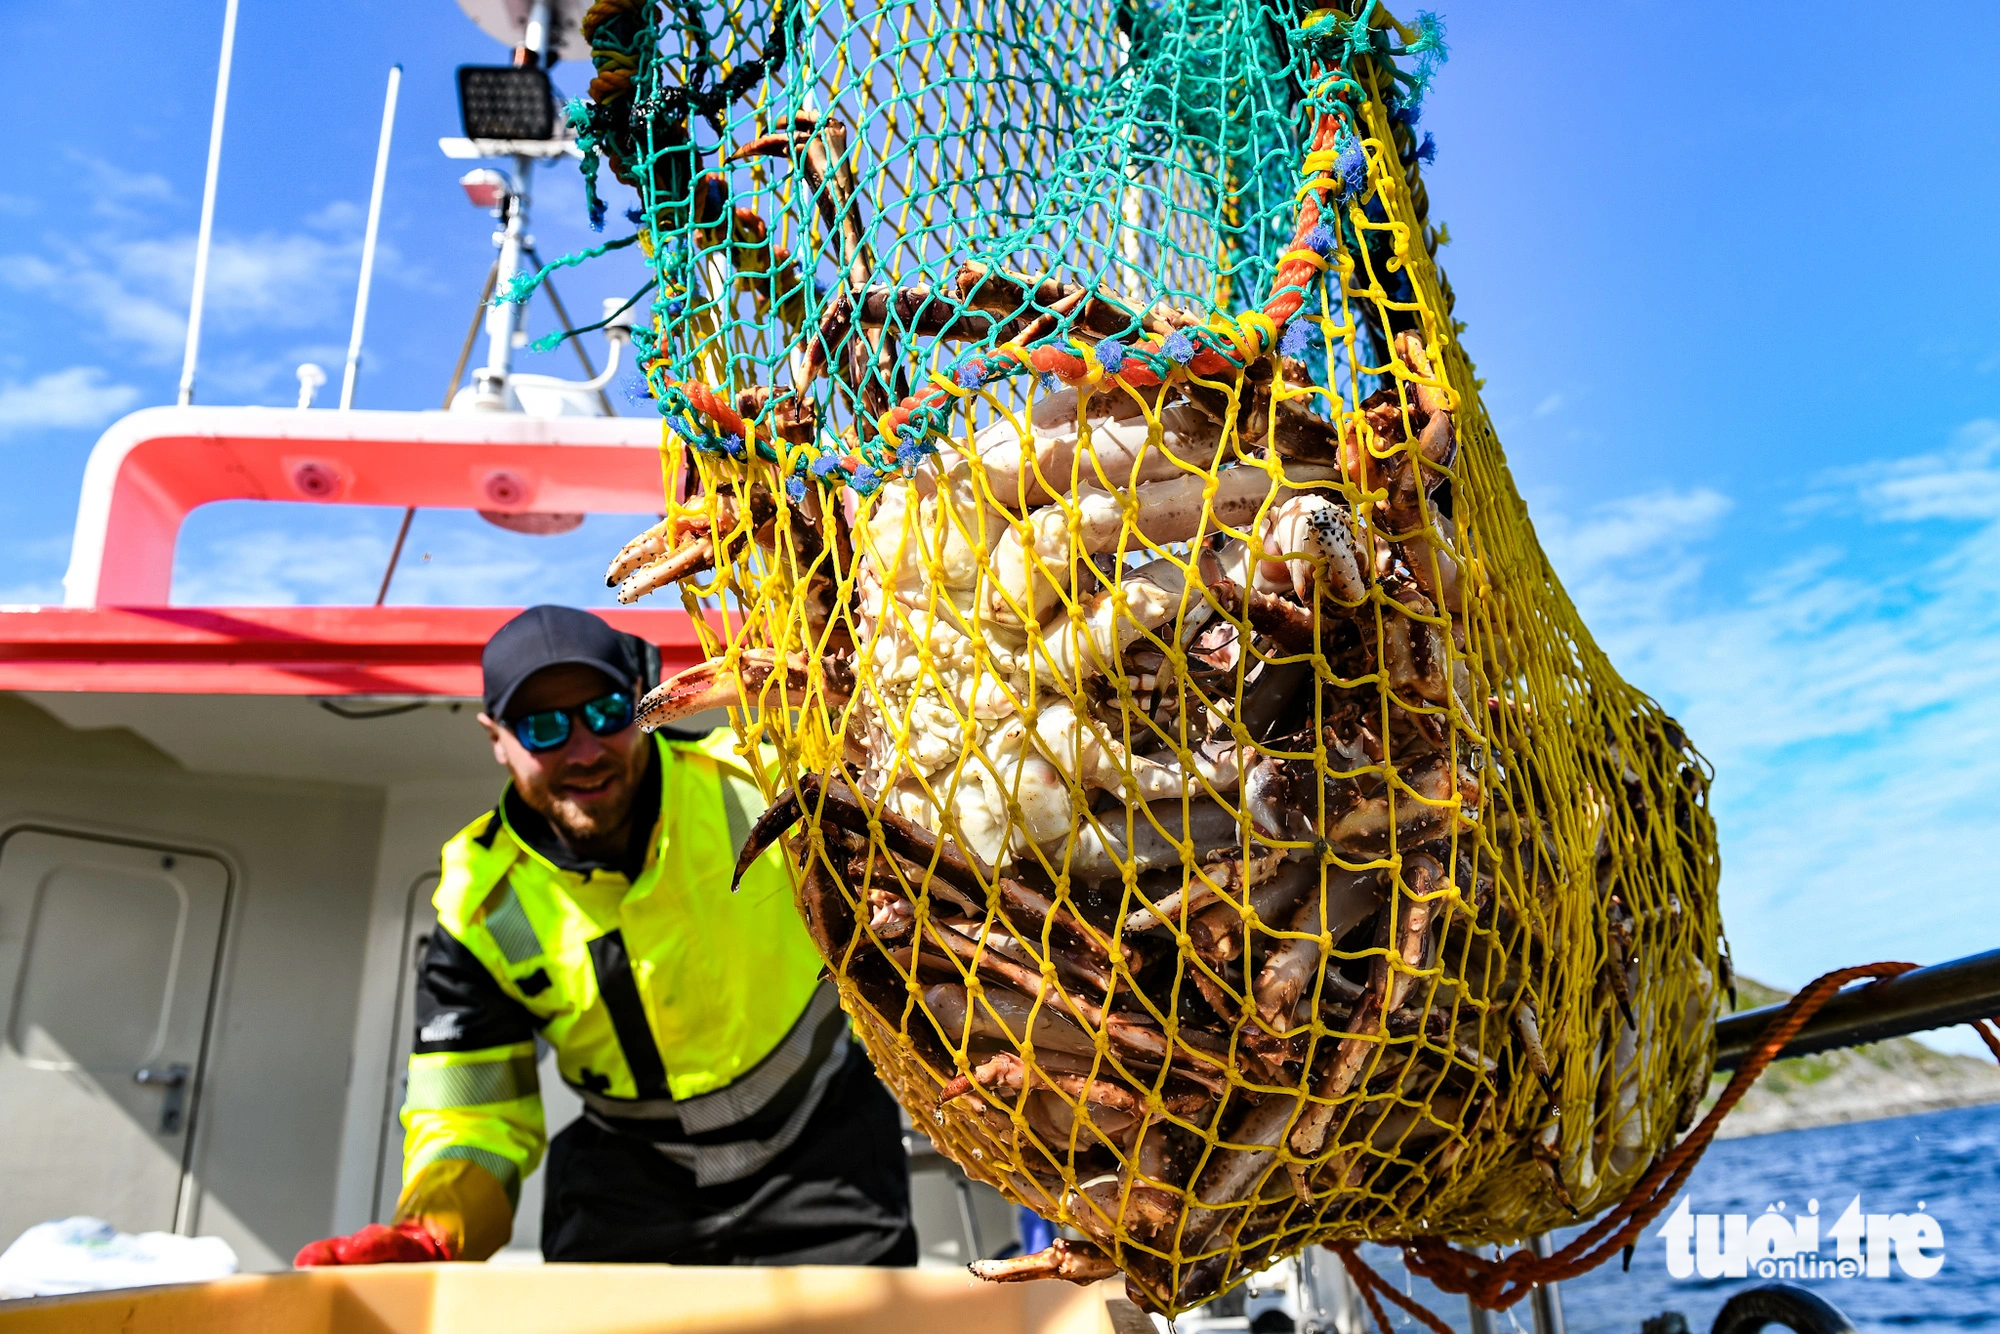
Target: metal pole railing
[(1923, 998), (1545, 1303), (202, 238), (368, 238)]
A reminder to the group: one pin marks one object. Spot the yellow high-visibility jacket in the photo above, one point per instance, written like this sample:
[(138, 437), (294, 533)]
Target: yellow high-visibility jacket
[(681, 1012)]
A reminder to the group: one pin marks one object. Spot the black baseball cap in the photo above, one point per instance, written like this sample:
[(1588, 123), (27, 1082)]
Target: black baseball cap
[(550, 636)]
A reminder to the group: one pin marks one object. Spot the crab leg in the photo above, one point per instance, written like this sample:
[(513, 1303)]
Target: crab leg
[(920, 880), (1077, 747), (1031, 910), (1025, 470), (1071, 1261), (806, 145), (1436, 568), (1157, 514), (1346, 899), (1531, 1044), (1414, 651), (1089, 640), (1006, 1074), (1129, 1032), (1410, 480), (916, 310), (792, 418), (1621, 985), (1014, 295), (1002, 1015), (1363, 826), (1218, 880), (1218, 931), (1101, 850), (1284, 622), (1226, 1177), (836, 799), (1387, 984)]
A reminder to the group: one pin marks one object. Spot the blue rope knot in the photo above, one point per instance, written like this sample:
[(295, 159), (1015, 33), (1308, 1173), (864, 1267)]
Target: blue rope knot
[(1178, 347), (1298, 335), (1352, 165), (1111, 355)]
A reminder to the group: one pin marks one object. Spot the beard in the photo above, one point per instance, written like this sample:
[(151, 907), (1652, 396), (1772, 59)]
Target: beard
[(598, 822)]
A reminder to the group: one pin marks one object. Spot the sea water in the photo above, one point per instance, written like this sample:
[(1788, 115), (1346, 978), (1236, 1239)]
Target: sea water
[(1945, 1163)]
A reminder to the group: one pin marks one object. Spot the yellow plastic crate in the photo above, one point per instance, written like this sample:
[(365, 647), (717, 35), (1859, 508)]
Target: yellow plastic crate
[(577, 1299)]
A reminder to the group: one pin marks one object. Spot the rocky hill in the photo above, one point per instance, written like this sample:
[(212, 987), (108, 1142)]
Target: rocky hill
[(1892, 1078)]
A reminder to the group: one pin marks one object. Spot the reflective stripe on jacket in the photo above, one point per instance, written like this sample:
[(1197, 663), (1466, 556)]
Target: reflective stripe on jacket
[(682, 1012)]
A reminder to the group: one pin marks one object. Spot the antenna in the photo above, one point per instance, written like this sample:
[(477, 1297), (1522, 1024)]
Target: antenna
[(368, 238), (208, 204)]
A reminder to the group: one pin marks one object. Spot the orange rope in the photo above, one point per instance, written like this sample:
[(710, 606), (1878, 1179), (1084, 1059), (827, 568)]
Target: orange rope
[(1498, 1284), (1369, 1283)]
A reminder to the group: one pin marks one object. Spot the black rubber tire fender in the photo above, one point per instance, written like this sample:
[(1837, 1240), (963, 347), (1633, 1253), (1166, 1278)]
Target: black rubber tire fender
[(1784, 1304)]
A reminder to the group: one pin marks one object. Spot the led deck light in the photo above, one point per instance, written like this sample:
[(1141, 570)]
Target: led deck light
[(503, 102)]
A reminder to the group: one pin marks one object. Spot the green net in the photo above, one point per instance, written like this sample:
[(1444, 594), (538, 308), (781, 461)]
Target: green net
[(1221, 826)]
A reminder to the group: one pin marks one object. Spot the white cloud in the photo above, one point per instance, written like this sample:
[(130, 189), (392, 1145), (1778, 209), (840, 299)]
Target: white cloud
[(260, 554), (114, 192), (1549, 406), (138, 287), (1959, 483), (134, 279), (1841, 668), (81, 396), (342, 215)]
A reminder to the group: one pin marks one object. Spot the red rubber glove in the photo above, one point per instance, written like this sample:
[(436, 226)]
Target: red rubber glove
[(408, 1242)]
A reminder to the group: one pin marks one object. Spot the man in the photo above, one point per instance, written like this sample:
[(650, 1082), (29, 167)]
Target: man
[(728, 1117)]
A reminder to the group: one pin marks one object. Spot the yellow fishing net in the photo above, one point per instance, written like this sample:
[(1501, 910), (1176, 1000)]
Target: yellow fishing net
[(1215, 815)]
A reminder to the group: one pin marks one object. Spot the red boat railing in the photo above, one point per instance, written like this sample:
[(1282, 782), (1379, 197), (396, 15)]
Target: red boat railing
[(116, 631)]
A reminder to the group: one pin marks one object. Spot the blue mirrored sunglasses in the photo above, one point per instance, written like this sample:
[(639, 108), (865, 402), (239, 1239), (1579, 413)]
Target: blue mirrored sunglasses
[(549, 730)]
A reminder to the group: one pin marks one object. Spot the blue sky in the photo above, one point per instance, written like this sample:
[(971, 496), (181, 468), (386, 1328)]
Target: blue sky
[(1730, 285)]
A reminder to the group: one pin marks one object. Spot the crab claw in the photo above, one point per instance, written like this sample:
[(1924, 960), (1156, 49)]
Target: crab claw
[(770, 145), (784, 143), (1309, 540), (689, 542), (642, 550), (779, 816), (663, 554), (1071, 1261), (713, 685)]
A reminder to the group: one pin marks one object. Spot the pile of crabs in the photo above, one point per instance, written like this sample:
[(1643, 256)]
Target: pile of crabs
[(1152, 838)]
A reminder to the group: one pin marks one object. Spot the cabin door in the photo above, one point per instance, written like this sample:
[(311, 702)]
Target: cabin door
[(108, 958)]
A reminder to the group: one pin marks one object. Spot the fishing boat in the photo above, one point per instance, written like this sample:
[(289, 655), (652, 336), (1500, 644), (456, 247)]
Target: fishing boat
[(219, 827)]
